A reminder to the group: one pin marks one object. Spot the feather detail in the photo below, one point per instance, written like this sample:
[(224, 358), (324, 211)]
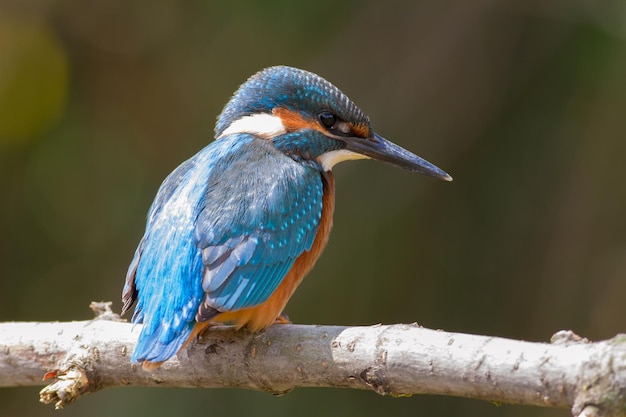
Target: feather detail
[(265, 314)]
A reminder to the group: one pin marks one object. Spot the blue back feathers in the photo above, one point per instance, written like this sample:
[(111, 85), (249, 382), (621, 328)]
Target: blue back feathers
[(258, 215), (225, 228)]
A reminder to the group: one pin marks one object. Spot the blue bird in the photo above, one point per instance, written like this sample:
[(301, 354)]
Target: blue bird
[(234, 229)]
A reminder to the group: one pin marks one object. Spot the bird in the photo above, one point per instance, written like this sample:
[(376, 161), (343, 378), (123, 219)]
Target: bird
[(233, 230)]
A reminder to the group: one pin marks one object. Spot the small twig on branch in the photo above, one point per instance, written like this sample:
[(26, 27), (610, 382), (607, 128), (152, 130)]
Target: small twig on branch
[(397, 360)]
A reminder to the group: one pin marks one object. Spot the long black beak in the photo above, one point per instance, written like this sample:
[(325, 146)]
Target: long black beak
[(379, 148)]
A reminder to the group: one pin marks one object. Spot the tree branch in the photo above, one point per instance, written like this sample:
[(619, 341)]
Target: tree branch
[(85, 356)]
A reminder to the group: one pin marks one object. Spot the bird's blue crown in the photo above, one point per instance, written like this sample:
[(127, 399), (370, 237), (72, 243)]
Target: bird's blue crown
[(292, 89)]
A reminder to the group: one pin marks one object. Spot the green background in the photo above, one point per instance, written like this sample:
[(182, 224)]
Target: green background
[(524, 103)]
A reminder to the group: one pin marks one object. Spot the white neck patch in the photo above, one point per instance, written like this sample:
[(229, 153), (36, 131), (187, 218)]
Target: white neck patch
[(262, 124), (332, 158)]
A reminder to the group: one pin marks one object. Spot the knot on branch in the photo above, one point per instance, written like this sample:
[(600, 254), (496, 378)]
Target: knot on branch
[(103, 311), (565, 337), (76, 373), (375, 377), (69, 385), (602, 385)]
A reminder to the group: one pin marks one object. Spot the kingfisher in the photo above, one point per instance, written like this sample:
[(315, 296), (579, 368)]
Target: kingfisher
[(234, 229)]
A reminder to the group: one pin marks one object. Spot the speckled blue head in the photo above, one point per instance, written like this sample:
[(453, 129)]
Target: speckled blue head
[(292, 89), (309, 118)]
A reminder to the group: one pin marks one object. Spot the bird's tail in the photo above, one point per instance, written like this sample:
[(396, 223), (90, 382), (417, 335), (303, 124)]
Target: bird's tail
[(155, 347)]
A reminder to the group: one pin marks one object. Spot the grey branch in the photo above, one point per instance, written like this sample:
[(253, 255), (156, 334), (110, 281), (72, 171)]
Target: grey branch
[(80, 357)]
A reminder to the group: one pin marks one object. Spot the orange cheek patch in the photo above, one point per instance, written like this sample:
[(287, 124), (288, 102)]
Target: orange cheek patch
[(362, 131), (294, 121)]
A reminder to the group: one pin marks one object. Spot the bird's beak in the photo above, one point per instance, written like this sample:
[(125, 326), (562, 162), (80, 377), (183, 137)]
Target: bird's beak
[(379, 148)]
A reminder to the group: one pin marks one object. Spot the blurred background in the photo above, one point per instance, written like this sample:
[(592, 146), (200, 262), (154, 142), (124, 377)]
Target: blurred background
[(524, 103)]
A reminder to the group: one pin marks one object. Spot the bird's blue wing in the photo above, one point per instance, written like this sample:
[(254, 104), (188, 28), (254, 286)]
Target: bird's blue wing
[(165, 274), (224, 229), (261, 211)]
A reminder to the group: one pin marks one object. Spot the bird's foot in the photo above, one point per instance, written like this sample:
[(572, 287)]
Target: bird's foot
[(283, 319)]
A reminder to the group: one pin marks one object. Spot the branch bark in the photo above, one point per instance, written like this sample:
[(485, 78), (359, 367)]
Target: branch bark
[(403, 359)]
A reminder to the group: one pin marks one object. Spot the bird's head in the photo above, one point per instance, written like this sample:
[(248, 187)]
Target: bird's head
[(307, 117)]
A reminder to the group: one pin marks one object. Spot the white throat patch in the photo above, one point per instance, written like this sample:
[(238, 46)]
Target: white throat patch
[(332, 158), (262, 124)]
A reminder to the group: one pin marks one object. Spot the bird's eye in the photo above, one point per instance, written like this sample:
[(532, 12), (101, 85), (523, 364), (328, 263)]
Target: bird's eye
[(327, 119)]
